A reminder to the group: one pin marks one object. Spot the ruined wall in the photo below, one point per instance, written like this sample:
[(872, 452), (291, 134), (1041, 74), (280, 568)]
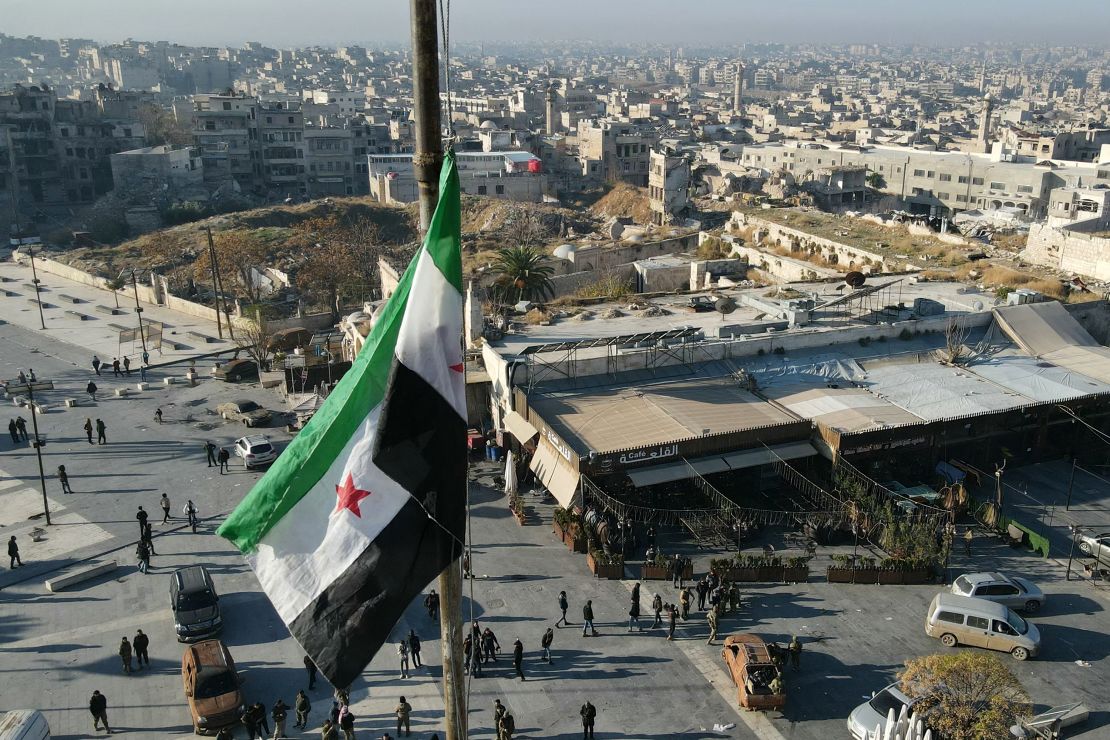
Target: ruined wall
[(1070, 250)]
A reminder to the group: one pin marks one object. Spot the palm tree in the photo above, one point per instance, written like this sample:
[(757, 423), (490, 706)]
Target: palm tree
[(523, 273)]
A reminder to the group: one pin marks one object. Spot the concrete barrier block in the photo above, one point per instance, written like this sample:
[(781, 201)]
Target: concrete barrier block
[(169, 381), (20, 401), (81, 574), (121, 392), (41, 408), (71, 403), (142, 386)]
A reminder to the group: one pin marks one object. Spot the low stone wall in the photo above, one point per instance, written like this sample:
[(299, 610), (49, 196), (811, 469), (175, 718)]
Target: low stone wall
[(569, 284), (786, 269), (844, 256)]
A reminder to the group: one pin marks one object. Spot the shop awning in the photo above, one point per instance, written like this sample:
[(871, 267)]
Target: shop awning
[(519, 427), (719, 463), (554, 473)]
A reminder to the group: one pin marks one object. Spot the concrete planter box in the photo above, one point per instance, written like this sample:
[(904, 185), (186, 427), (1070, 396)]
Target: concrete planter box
[(651, 572), (519, 516), (886, 576), (610, 572), (795, 575)]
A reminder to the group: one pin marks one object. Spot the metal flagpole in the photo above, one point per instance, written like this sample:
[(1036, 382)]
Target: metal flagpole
[(427, 162)]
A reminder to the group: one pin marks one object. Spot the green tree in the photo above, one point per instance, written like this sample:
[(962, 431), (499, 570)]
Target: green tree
[(522, 273), (876, 180), (965, 695)]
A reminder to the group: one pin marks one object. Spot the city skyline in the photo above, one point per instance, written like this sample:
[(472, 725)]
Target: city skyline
[(950, 23)]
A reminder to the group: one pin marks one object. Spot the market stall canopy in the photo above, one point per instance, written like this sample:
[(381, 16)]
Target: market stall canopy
[(554, 473), (719, 463), (519, 427)]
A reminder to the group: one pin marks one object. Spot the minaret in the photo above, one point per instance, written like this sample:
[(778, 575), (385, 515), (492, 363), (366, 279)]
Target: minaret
[(983, 79), (985, 121), (738, 89), (549, 98)]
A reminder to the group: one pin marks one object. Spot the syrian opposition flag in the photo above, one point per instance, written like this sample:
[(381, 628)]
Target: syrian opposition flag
[(367, 504)]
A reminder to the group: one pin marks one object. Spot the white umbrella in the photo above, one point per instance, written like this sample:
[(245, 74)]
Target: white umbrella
[(510, 475)]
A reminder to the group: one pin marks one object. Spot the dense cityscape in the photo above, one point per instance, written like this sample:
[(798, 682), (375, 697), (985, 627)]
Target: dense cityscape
[(518, 387)]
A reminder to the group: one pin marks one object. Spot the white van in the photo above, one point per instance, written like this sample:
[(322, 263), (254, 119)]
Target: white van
[(24, 724), (966, 620)]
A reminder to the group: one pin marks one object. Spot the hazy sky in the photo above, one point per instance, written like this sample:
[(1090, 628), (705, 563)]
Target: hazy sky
[(308, 22)]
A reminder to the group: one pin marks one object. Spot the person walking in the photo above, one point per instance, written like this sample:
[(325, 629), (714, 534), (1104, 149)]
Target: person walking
[(127, 365), (101, 432), (403, 657), (115, 368), (795, 653), (247, 718), (13, 554), (672, 617), (141, 644), (327, 732), (302, 707), (222, 458), (91, 390), (545, 644), (589, 714), (12, 430), (98, 708), (431, 603), (141, 516), (280, 712), (684, 602), (676, 570), (125, 655), (347, 723), (563, 606), (88, 429), (164, 502), (96, 364), (142, 551), (518, 658), (63, 478), (967, 541), (499, 713), (158, 415), (508, 727), (210, 451), (657, 607), (310, 668), (588, 619), (712, 618), (702, 590), (148, 537), (634, 615), (21, 427), (490, 646), (403, 710), (260, 719), (190, 512), (414, 648)]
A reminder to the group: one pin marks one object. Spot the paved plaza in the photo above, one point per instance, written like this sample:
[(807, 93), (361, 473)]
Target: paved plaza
[(57, 648)]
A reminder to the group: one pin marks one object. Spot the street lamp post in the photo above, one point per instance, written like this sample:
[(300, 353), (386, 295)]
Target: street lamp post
[(38, 295), (1075, 530), (37, 444)]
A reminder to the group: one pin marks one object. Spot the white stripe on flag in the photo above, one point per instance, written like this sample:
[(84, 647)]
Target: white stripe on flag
[(430, 339), (313, 544)]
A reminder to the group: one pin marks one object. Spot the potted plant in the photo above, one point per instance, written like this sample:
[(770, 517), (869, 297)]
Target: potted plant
[(567, 527), (796, 570), (657, 569), (842, 570), (745, 569), (605, 565), (770, 568), (516, 506)]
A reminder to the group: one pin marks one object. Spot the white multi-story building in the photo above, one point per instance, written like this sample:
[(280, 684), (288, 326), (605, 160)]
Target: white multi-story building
[(510, 175)]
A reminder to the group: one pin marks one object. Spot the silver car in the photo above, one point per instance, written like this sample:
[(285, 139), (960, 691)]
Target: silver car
[(871, 714), (256, 450), (1096, 545), (1012, 591)]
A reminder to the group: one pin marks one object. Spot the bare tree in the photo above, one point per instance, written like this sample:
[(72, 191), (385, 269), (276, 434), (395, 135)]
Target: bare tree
[(955, 339), (254, 336), (524, 228)]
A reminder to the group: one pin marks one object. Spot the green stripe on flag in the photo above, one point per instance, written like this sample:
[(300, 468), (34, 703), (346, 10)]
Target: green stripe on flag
[(445, 230)]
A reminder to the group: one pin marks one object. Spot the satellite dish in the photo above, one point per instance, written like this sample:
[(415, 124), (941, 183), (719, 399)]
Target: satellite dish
[(855, 279), (725, 305)]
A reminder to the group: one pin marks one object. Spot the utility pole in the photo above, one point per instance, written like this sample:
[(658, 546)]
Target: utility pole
[(139, 312), (215, 283), (220, 299), (38, 295), (427, 162), (1071, 482)]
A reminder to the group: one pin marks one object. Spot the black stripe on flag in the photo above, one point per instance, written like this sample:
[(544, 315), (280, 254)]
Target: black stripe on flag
[(421, 444)]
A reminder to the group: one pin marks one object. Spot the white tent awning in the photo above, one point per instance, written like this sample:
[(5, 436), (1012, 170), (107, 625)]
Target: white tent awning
[(555, 474), (519, 427)]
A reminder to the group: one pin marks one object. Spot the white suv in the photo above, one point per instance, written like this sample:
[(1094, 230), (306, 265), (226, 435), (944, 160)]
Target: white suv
[(255, 450)]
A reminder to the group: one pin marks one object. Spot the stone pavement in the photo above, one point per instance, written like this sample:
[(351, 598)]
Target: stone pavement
[(98, 331)]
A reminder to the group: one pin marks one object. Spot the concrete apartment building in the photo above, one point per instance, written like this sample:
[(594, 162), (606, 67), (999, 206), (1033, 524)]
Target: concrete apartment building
[(938, 183), (668, 187), (1074, 146), (225, 128), (1076, 235), (514, 176), (54, 154), (152, 167), (613, 150)]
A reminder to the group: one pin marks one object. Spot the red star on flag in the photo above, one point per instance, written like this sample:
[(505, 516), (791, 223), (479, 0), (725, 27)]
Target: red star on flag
[(349, 496)]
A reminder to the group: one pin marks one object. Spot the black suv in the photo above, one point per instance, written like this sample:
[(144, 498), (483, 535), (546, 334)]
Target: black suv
[(195, 605)]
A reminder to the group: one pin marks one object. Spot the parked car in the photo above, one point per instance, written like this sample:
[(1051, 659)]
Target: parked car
[(235, 370), (248, 412), (1096, 545), (255, 450), (289, 339), (749, 661), (864, 718), (211, 687), (195, 604), (965, 620), (1012, 591)]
